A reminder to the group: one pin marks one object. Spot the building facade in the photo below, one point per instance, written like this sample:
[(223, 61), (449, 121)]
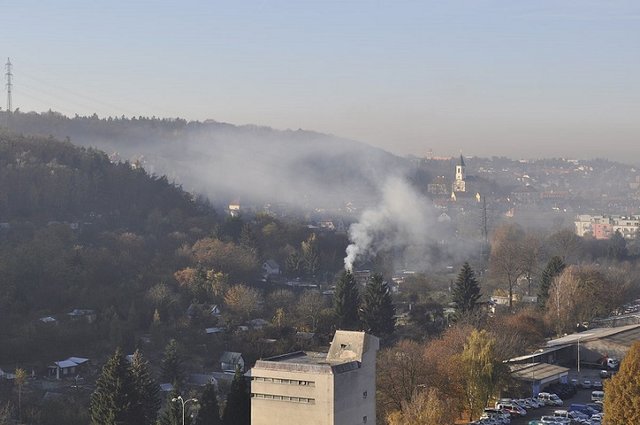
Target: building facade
[(604, 226), (334, 388)]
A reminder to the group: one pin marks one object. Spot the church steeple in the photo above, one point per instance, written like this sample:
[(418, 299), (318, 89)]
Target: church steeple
[(459, 183)]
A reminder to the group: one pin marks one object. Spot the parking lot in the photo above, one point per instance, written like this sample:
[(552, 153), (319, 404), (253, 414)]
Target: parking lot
[(582, 396)]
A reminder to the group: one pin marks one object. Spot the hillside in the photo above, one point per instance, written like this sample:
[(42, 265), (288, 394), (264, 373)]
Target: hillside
[(78, 231), (227, 162)]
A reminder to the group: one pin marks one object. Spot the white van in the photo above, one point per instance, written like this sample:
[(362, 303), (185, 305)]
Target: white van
[(550, 399), (597, 396)]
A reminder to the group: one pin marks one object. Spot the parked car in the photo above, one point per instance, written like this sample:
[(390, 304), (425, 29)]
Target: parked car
[(554, 420), (597, 396), (512, 408), (597, 385)]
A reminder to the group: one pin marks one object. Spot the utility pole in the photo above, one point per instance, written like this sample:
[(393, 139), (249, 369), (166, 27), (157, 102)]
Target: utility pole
[(8, 74), (485, 233)]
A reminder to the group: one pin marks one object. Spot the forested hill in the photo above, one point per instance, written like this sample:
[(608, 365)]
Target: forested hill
[(44, 180), (228, 162)]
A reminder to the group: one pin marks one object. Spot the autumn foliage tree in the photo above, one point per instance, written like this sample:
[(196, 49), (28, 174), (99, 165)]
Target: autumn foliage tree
[(581, 293), (426, 407), (243, 301), (622, 391), (483, 371)]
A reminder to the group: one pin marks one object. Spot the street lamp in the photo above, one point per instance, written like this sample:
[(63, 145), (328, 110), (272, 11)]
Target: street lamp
[(183, 402), (579, 357)]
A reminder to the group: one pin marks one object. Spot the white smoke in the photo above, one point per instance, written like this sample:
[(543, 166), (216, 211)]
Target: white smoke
[(404, 218)]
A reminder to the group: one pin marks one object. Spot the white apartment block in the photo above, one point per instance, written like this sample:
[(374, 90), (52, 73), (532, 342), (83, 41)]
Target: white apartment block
[(308, 388), (604, 226)]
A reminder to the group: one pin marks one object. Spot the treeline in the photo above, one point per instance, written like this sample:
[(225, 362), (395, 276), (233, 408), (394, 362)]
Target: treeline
[(79, 231), (44, 180)]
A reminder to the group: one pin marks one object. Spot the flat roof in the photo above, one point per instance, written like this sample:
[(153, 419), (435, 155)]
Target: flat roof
[(300, 357), (537, 371), (540, 352), (303, 361), (599, 333)]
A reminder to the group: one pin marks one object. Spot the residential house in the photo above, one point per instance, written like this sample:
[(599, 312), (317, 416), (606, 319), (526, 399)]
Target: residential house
[(202, 379), (231, 360), (83, 314), (69, 367), (270, 268)]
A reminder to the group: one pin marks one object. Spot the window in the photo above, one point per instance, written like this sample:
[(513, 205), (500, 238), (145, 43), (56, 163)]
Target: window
[(364, 394), (364, 419), (291, 399)]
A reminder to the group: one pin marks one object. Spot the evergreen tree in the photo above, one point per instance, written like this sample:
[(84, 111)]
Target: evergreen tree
[(466, 291), (622, 391), (617, 248), (377, 309), (347, 301), (146, 399), (237, 410), (554, 268), (209, 413), (171, 365), (172, 414), (111, 402)]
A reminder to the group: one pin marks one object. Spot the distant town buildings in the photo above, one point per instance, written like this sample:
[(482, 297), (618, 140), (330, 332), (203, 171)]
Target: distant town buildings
[(604, 226), (338, 387)]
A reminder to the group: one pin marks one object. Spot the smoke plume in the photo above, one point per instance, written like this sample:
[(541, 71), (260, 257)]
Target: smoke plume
[(403, 220)]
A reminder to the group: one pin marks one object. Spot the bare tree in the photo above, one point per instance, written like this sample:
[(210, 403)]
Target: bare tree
[(508, 256)]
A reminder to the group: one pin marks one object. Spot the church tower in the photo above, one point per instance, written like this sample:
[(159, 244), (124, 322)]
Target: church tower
[(459, 184)]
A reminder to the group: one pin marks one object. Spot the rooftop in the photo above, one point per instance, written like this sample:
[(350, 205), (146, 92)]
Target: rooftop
[(537, 371), (345, 354), (631, 334)]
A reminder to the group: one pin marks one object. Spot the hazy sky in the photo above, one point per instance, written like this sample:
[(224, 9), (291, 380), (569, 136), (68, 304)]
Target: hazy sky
[(516, 78)]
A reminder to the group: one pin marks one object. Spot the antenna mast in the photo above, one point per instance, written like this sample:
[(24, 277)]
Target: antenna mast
[(8, 74)]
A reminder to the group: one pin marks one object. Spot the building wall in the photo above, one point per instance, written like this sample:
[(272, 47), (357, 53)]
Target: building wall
[(355, 393), (317, 387)]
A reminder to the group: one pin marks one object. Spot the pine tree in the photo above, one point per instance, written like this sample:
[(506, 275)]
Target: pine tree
[(171, 365), (377, 309), (209, 413), (146, 400), (554, 268), (466, 291), (237, 410), (622, 392), (347, 301), (111, 401)]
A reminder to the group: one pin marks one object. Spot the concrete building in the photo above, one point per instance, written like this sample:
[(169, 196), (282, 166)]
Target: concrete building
[(334, 388), (604, 226)]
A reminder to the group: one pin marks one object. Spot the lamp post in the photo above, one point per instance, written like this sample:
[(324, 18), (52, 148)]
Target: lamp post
[(579, 357), (183, 402)]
